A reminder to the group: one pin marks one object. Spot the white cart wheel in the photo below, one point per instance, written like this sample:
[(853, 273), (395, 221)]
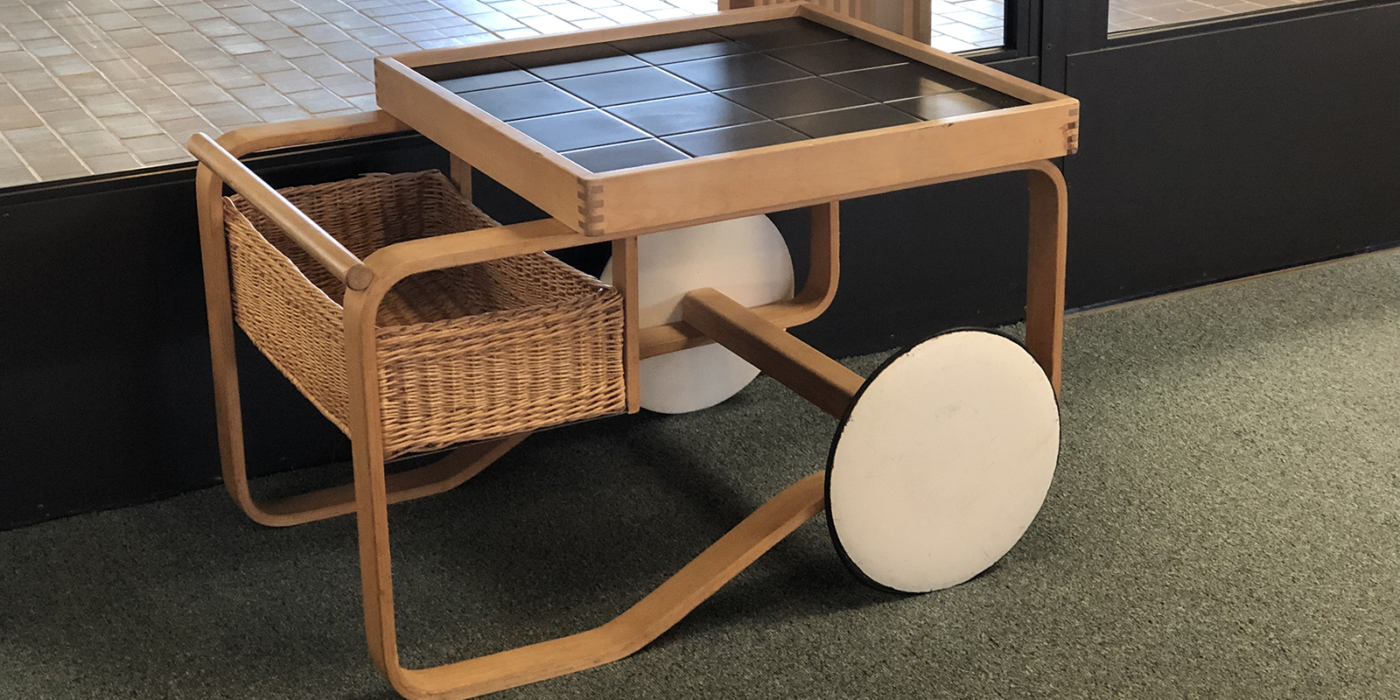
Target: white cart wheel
[(746, 259), (942, 461)]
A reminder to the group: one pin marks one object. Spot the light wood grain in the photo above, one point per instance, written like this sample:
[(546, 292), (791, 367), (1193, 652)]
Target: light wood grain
[(307, 234), (371, 489), (548, 180), (461, 175), (264, 137), (824, 262), (442, 475), (828, 384), (855, 9), (636, 627), (833, 168), (923, 23), (218, 299), (1045, 285), (625, 279), (662, 196), (970, 147), (624, 635)]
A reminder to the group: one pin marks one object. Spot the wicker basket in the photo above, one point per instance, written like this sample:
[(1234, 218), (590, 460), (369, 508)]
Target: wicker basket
[(469, 353)]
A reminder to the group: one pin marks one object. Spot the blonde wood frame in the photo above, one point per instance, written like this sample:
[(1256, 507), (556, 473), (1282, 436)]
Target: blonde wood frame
[(219, 166), (446, 473), (307, 234), (756, 334), (754, 181)]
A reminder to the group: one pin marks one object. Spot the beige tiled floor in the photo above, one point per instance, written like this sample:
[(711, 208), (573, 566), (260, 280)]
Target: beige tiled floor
[(964, 25), (98, 86), (95, 86)]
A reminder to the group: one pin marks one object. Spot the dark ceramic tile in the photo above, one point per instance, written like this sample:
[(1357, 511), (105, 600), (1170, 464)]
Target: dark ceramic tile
[(622, 87), (779, 33), (781, 100), (439, 72), (480, 75), (845, 121), (734, 138), (681, 114), (489, 80), (524, 101), (575, 130), (995, 98), (625, 155), (901, 82), (838, 57), (661, 42), (575, 60), (736, 71), (682, 46), (953, 104)]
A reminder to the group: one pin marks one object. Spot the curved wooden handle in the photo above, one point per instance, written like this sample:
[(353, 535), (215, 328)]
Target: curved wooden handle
[(299, 227)]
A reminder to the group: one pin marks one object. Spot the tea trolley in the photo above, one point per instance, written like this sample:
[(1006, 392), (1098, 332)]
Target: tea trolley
[(417, 324)]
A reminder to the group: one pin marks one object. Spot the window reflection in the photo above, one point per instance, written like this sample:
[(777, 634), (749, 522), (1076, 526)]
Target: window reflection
[(966, 25), (1127, 15)]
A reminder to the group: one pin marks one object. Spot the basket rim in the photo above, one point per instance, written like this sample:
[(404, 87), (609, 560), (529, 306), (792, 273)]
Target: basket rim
[(591, 287)]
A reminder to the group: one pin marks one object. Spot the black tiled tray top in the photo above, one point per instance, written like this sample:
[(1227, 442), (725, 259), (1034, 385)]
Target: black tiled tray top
[(691, 94)]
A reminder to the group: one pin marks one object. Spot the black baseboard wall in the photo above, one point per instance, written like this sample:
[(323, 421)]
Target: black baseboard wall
[(1214, 155), (1193, 170)]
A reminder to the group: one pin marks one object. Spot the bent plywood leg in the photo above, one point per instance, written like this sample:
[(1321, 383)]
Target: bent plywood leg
[(1045, 286), (445, 474), (371, 489), (219, 305), (624, 635), (636, 627)]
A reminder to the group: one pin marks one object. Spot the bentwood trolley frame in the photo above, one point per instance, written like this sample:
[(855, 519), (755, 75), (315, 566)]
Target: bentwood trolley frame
[(589, 208)]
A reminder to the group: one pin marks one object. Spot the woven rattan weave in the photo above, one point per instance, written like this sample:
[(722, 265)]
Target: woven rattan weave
[(470, 353)]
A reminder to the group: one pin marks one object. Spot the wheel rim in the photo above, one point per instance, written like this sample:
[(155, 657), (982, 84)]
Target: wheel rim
[(942, 461)]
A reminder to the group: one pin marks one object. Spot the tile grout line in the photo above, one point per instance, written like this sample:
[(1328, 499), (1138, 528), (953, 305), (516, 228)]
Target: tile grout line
[(63, 86), (22, 160), (124, 55)]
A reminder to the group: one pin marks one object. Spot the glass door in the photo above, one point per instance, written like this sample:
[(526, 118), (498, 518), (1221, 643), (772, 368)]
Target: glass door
[(956, 26), (1130, 15), (1223, 138)]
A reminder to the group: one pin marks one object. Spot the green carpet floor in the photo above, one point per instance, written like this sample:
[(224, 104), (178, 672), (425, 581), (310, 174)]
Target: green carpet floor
[(1224, 523)]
